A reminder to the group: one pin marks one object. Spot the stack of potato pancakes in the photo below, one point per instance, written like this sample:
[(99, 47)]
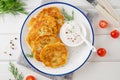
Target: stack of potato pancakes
[(43, 37)]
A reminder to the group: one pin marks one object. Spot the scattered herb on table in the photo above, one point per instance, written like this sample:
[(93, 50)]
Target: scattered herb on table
[(67, 16), (14, 71), (12, 6), (30, 55)]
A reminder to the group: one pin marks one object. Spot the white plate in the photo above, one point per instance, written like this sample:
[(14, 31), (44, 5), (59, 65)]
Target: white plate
[(77, 55)]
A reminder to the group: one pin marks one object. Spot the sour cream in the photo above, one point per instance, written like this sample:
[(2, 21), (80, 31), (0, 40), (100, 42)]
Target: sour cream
[(70, 34)]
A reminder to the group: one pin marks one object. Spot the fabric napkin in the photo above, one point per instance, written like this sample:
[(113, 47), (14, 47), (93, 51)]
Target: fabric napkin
[(22, 61)]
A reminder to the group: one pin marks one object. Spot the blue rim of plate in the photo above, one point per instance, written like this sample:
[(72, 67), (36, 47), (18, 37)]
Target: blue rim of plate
[(43, 6)]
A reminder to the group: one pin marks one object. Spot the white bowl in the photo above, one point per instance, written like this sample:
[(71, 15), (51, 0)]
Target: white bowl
[(72, 29)]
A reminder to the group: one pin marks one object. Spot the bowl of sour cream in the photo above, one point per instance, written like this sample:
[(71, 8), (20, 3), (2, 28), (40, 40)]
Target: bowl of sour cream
[(70, 33)]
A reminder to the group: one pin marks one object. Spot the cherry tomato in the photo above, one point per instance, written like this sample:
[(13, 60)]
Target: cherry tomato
[(30, 77), (115, 34), (103, 24), (101, 52)]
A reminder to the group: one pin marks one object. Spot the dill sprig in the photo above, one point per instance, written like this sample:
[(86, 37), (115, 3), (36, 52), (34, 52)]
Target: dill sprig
[(12, 6), (67, 16), (30, 55), (14, 71)]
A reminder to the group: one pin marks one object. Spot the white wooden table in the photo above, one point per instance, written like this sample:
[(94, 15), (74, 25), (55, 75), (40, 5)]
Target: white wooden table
[(97, 68)]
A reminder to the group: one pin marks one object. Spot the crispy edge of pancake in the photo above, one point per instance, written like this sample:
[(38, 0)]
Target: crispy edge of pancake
[(31, 36), (54, 55), (32, 22), (54, 12), (43, 20), (35, 32), (39, 45), (49, 22), (56, 17), (51, 12)]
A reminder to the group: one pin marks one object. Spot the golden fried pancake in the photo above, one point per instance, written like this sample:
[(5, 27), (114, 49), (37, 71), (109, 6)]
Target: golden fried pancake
[(54, 12), (43, 30), (46, 47), (32, 23), (35, 32), (40, 42), (54, 55), (46, 21), (49, 22), (32, 35)]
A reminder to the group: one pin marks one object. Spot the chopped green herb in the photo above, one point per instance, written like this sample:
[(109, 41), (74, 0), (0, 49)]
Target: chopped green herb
[(42, 31), (14, 71), (67, 16), (30, 55), (12, 6)]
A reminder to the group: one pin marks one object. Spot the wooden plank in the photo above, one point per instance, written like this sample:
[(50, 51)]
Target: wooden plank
[(115, 3), (111, 46), (84, 3), (91, 70), (6, 74), (102, 31), (11, 24), (10, 48), (98, 71), (32, 4)]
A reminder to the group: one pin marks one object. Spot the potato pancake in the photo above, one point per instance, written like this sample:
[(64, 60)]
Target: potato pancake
[(42, 41), (54, 55), (32, 23), (42, 37), (46, 21), (49, 22), (54, 12), (35, 32)]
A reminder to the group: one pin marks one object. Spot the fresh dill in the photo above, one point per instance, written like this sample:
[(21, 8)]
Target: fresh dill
[(30, 55), (67, 16), (15, 73)]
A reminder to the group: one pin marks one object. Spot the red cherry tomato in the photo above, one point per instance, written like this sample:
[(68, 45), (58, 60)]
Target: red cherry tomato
[(101, 52), (30, 77), (115, 34), (103, 24)]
